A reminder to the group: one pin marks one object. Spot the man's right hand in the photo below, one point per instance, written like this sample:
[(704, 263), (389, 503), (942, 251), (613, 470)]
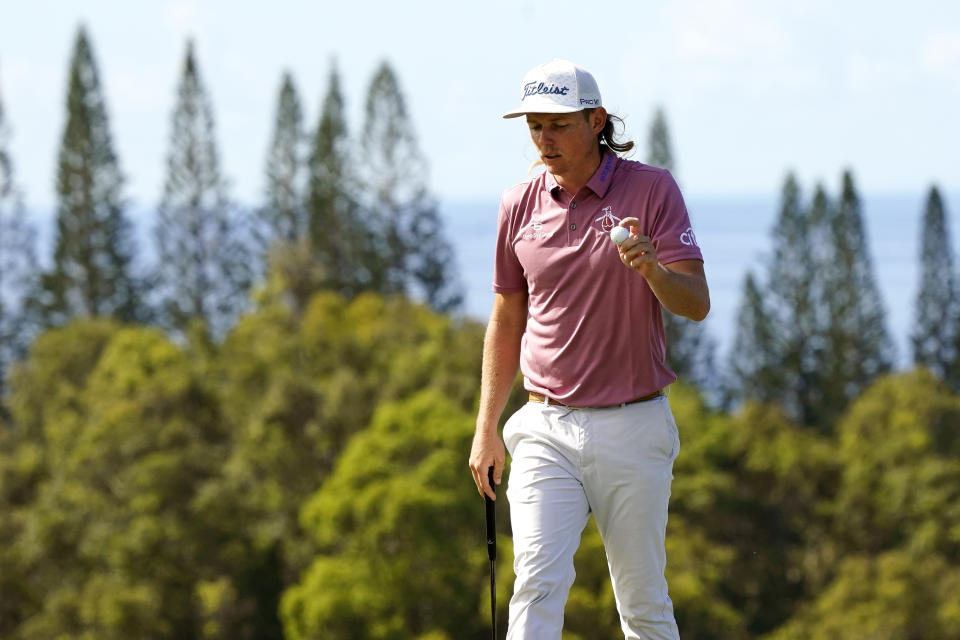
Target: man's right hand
[(487, 451), (501, 359)]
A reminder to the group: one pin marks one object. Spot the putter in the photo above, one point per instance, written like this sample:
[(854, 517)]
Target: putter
[(492, 553)]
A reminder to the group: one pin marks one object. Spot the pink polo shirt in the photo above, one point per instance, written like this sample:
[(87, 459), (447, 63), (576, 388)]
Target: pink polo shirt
[(594, 334)]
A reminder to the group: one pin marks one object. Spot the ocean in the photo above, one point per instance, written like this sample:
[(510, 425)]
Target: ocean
[(734, 234)]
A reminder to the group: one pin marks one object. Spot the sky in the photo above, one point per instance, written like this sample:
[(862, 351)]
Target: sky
[(751, 89)]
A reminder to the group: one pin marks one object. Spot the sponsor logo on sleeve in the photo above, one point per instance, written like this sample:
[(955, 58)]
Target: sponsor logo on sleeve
[(689, 238)]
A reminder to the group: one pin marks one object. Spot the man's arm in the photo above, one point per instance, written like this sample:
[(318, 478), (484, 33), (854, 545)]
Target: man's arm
[(501, 359), (681, 287)]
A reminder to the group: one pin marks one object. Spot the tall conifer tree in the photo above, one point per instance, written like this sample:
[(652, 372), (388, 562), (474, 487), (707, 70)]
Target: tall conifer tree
[(755, 362), (936, 313), (283, 217), (791, 290), (18, 262), (204, 270), (338, 241), (93, 247), (659, 147), (690, 349), (825, 306), (413, 254), (857, 348)]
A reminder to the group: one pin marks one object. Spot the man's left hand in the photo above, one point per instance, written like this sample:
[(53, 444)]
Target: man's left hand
[(637, 251)]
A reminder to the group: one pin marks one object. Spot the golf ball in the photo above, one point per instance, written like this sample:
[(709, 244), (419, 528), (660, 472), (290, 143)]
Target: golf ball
[(619, 234)]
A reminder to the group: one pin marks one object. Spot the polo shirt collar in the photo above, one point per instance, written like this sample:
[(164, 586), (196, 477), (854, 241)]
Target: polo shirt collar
[(603, 176), (599, 183), (549, 182)]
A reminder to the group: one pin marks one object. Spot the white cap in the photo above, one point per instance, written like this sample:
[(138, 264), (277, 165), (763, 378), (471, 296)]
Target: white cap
[(559, 86)]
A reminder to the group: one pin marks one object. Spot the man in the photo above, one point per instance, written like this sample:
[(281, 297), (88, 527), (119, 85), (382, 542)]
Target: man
[(581, 318)]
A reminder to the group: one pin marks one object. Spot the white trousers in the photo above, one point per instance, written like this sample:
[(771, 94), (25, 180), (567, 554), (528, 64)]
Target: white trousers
[(615, 462)]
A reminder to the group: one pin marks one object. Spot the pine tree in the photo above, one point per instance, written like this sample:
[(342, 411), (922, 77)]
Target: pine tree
[(94, 250), (283, 217), (338, 237), (413, 254), (433, 261), (936, 313), (204, 270), (791, 291), (690, 349), (659, 149), (857, 348), (17, 263), (755, 360)]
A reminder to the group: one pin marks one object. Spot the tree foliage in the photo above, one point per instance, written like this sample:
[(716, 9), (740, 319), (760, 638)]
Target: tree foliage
[(153, 490), (18, 262), (414, 257), (904, 489), (659, 146), (340, 239), (858, 348), (936, 335), (296, 388), (894, 596), (93, 248), (779, 325), (203, 270), (396, 530), (283, 216), (819, 318), (306, 479), (109, 543), (758, 372)]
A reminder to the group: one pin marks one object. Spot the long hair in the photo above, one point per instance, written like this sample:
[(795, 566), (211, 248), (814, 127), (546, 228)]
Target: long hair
[(608, 138)]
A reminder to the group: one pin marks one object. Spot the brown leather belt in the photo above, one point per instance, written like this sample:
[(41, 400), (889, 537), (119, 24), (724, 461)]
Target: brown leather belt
[(542, 399)]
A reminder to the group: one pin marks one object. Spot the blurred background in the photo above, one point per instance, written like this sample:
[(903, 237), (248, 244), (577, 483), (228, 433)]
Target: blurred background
[(245, 261)]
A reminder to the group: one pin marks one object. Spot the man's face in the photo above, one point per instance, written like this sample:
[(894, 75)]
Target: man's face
[(566, 142)]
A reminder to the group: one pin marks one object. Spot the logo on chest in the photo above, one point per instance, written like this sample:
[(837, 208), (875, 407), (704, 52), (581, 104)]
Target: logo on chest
[(607, 220), (534, 230)]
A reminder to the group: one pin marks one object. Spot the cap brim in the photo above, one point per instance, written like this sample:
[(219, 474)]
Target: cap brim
[(542, 108)]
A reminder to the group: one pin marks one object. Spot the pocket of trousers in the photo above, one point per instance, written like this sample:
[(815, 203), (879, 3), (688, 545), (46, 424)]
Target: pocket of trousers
[(510, 428), (671, 426)]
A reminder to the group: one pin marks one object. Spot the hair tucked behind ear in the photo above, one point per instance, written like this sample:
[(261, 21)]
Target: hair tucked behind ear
[(608, 137)]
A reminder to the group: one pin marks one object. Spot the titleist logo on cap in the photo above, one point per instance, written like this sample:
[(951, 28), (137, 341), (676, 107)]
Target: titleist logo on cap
[(538, 88)]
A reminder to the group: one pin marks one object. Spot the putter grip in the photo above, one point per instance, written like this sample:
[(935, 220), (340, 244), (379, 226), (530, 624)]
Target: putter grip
[(491, 521)]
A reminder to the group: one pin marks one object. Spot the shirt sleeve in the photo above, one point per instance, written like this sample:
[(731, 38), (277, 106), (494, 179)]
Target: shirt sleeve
[(672, 234), (507, 271)]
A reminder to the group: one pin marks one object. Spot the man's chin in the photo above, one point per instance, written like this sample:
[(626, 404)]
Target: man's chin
[(552, 163)]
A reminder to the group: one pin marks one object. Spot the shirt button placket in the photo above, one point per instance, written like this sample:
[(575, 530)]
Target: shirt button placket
[(574, 238)]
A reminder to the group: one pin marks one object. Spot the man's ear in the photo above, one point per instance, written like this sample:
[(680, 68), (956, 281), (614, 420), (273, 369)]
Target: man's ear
[(598, 120)]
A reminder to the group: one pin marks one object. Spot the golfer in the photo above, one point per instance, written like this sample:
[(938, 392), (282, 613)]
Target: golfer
[(581, 318)]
